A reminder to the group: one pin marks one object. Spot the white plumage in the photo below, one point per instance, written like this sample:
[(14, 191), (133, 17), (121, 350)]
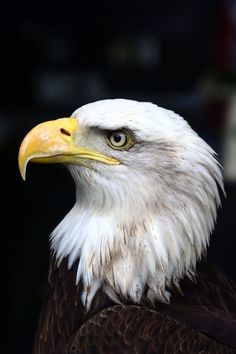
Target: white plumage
[(147, 220)]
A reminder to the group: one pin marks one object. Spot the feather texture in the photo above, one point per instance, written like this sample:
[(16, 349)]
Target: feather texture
[(202, 318)]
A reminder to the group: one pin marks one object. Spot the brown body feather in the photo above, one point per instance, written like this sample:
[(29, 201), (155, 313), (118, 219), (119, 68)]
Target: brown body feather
[(201, 320)]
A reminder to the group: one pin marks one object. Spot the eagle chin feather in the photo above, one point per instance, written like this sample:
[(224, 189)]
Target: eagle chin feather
[(142, 224)]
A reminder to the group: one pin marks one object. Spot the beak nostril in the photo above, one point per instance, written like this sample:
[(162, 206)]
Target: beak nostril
[(65, 132)]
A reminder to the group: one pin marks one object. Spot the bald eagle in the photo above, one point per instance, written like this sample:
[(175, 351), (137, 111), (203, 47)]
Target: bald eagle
[(129, 272)]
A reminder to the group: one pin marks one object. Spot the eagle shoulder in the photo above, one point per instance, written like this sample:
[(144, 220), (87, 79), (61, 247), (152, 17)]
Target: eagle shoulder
[(134, 329)]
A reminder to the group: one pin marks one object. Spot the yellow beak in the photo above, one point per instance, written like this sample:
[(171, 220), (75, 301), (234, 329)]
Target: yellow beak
[(54, 142)]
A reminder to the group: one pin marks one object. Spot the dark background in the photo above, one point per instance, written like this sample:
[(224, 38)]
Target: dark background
[(54, 58)]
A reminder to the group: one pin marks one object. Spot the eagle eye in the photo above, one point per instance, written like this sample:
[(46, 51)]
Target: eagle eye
[(119, 139)]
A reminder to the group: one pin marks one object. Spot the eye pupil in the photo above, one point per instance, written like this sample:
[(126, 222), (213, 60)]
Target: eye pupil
[(117, 137)]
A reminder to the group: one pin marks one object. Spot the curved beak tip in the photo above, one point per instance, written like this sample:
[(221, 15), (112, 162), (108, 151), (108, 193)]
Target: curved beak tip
[(22, 168), (23, 175), (43, 140)]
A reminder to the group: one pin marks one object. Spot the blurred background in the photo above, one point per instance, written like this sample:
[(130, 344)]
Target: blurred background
[(54, 58)]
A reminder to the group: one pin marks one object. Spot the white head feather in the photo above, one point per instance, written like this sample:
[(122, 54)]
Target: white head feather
[(146, 222)]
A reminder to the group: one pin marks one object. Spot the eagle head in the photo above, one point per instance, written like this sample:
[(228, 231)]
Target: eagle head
[(146, 196)]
